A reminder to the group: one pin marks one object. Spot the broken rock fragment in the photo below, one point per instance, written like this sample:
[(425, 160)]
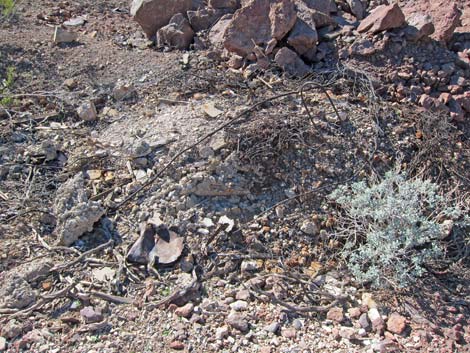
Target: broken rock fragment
[(384, 17), (419, 25), (178, 34), (75, 213), (204, 18), (290, 62), (257, 23), (303, 38), (154, 14)]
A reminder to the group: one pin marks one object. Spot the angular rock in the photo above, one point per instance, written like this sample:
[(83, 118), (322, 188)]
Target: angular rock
[(420, 25), (258, 23), (87, 111), (222, 332), (362, 47), (204, 18), (315, 14), (123, 90), (384, 17), (309, 228), (178, 34), (239, 305), (216, 34), (154, 14), (396, 323), (358, 8), (303, 38), (335, 314), (291, 63), (90, 315), (445, 16), (376, 319), (185, 311), (225, 4), (74, 212), (464, 101), (3, 344), (238, 322), (15, 292), (63, 36)]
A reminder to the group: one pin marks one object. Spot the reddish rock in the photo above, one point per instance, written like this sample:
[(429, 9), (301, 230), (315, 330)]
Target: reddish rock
[(456, 111), (384, 17), (445, 97), (154, 14), (204, 18), (358, 8), (419, 25), (335, 314), (90, 315), (216, 34), (303, 38), (315, 14), (396, 323), (178, 34), (347, 333), (445, 16), (177, 345), (354, 313), (464, 101), (290, 62), (289, 332), (185, 311), (258, 23)]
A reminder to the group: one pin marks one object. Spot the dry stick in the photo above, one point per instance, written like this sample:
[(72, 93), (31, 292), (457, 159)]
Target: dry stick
[(82, 256), (220, 128)]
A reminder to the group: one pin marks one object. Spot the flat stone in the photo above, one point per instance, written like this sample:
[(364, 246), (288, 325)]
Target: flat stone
[(384, 17), (396, 323), (335, 314), (238, 322), (185, 311)]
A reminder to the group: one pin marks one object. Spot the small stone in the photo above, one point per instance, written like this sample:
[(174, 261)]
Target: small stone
[(376, 319), (185, 311), (221, 332), (249, 266), (367, 300), (177, 345), (237, 321), (239, 305), (87, 111), (11, 329), (297, 324), (396, 323), (90, 315), (289, 333), (70, 83), (309, 228), (123, 90), (364, 321), (347, 332), (273, 327), (243, 294), (354, 313), (265, 349), (3, 344), (335, 314)]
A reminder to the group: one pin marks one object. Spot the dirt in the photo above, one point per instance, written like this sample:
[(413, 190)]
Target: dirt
[(264, 174)]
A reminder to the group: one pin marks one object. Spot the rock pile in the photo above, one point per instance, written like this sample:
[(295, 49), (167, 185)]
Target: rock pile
[(295, 34)]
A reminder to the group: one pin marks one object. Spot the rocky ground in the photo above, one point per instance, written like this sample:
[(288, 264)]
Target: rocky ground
[(164, 184)]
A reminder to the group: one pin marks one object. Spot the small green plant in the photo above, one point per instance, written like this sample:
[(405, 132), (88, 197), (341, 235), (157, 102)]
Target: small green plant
[(7, 7), (6, 86), (393, 228)]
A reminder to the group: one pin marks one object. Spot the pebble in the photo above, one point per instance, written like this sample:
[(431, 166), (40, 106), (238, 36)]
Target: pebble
[(289, 332), (354, 313), (376, 319), (309, 228), (3, 344), (243, 294), (185, 311), (221, 332), (396, 323), (177, 345), (87, 111), (297, 324), (90, 315), (238, 321), (272, 328), (239, 305), (335, 314)]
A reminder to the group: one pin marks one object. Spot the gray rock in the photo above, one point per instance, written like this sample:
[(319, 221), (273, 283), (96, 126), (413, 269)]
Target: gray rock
[(221, 332), (315, 13), (309, 228), (364, 321), (178, 34), (74, 212), (16, 293), (225, 4), (297, 324), (239, 305), (420, 25), (90, 315), (11, 329), (273, 327), (87, 111), (154, 14), (204, 18), (3, 344), (358, 9), (238, 322), (216, 34)]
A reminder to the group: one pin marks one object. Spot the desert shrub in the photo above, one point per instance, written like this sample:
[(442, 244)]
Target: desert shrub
[(5, 86), (7, 7), (393, 228)]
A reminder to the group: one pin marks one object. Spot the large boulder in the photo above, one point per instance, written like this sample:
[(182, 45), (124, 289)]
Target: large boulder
[(445, 14), (178, 34), (257, 23), (154, 14), (384, 17)]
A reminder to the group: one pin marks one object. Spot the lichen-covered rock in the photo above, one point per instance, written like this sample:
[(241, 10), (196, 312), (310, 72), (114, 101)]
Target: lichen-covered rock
[(75, 213)]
